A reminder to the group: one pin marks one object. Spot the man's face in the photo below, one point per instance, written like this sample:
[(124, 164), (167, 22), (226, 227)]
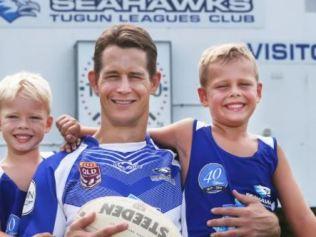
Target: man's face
[(124, 86)]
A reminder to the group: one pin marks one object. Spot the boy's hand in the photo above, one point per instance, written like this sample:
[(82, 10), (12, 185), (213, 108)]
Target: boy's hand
[(76, 229), (251, 220), (70, 129)]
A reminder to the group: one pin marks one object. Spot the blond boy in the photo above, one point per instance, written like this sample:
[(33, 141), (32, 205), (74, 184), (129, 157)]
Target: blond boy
[(219, 159), (25, 102)]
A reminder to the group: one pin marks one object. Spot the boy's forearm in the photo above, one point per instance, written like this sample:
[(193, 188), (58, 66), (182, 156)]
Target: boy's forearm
[(84, 131)]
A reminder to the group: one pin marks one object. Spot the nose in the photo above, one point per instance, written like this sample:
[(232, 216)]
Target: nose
[(125, 85), (235, 91), (23, 123)]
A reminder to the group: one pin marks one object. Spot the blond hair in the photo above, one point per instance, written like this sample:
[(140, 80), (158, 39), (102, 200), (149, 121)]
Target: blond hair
[(224, 53), (29, 85)]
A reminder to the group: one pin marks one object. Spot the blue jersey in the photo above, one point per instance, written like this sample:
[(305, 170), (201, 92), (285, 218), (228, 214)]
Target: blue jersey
[(213, 174), (63, 183), (11, 204)]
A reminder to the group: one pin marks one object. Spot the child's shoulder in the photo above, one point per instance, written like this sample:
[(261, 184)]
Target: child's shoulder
[(197, 124), (267, 140), (52, 159), (1, 171)]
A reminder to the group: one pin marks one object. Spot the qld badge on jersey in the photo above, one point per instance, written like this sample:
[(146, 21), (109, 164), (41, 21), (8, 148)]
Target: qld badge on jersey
[(90, 174)]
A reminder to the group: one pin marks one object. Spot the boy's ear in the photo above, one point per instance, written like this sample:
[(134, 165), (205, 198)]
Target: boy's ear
[(49, 124), (259, 91), (155, 82), (93, 81), (203, 96)]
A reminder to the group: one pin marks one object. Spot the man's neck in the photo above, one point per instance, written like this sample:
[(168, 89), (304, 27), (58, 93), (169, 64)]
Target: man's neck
[(120, 134)]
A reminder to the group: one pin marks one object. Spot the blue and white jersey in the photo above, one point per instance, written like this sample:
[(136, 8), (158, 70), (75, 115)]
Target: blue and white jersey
[(63, 183), (11, 204), (213, 174)]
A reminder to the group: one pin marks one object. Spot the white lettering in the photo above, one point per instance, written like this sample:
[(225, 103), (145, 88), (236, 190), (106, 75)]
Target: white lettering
[(85, 5), (128, 4), (62, 5), (185, 4), (109, 4), (159, 4), (241, 6)]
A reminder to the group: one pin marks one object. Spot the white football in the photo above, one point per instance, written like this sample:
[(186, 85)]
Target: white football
[(143, 220)]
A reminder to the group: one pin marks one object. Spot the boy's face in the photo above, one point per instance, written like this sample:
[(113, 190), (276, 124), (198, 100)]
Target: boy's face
[(231, 93), (124, 85), (23, 123)]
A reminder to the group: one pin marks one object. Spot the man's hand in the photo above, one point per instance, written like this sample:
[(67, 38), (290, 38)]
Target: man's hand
[(253, 220), (76, 229), (70, 129), (43, 235)]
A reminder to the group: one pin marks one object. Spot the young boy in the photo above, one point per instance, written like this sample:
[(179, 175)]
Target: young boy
[(24, 119), (225, 156), (219, 159)]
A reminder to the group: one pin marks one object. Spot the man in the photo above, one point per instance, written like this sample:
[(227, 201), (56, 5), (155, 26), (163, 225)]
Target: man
[(120, 159), (124, 76)]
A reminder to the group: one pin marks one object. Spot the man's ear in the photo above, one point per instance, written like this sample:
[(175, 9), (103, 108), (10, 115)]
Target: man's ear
[(49, 124), (93, 81), (203, 96), (155, 82)]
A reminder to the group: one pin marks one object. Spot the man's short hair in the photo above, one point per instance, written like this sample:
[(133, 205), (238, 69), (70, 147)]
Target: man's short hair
[(126, 36)]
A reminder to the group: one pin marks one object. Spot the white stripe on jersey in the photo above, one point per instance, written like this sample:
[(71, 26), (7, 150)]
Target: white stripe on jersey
[(61, 175), (183, 217)]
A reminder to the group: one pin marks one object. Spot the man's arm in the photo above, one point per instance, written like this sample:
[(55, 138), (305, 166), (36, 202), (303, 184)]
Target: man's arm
[(252, 220)]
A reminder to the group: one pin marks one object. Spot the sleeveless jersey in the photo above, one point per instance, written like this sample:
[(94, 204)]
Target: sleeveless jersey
[(213, 174), (63, 183), (11, 204)]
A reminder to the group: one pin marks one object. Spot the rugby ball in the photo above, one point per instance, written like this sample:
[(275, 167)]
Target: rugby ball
[(143, 220)]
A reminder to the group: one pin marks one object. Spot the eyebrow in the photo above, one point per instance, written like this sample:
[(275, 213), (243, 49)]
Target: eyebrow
[(137, 73), (111, 72)]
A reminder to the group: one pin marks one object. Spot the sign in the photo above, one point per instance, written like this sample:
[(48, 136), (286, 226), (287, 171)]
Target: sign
[(88, 105), (146, 13), (285, 52)]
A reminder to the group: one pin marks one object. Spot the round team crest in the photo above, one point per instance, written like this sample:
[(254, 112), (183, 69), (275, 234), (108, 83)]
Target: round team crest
[(212, 178), (30, 199)]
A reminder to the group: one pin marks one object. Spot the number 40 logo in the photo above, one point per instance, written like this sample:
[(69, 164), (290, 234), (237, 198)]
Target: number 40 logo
[(212, 178)]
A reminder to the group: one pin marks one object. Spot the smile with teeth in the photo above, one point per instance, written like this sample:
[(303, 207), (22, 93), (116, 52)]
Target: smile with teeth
[(22, 137), (122, 102), (235, 106)]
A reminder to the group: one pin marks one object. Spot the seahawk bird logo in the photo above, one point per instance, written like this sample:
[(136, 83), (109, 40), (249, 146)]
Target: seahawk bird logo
[(10, 10)]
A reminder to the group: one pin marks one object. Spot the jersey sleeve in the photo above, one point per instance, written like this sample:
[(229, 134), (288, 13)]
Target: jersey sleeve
[(42, 211)]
